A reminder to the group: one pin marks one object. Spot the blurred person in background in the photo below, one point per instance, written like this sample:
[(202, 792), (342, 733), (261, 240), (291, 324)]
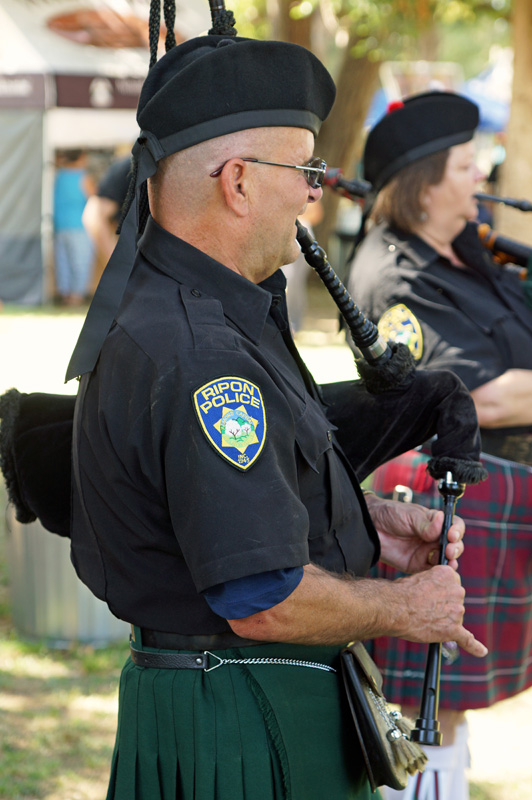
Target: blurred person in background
[(422, 274), (102, 211), (73, 248)]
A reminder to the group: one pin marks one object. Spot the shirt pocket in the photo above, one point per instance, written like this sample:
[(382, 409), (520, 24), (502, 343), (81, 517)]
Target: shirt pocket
[(313, 434), (338, 538), (313, 447), (207, 322)]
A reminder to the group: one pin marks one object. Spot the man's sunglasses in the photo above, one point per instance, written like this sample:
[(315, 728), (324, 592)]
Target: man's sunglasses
[(313, 170)]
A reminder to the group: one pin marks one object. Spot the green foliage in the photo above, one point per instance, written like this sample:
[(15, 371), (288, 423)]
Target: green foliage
[(380, 30), (455, 42), (251, 18), (303, 9), (390, 30), (453, 11)]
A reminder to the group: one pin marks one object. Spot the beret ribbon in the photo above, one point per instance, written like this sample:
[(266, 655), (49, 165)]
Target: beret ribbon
[(147, 151)]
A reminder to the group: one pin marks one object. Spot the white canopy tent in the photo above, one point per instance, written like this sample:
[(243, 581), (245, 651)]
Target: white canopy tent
[(70, 76)]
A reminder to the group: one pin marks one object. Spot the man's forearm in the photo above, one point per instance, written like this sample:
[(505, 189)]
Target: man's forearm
[(505, 400), (329, 609)]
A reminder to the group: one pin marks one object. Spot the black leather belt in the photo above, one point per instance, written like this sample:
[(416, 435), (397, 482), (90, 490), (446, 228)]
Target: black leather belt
[(168, 660), (180, 641)]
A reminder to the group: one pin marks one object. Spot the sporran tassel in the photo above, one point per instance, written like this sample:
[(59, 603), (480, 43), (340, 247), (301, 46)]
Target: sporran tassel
[(411, 752)]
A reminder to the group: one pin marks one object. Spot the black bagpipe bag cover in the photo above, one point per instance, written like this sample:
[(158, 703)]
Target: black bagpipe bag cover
[(35, 456)]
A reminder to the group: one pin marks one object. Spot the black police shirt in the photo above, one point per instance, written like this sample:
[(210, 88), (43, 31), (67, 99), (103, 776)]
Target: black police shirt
[(472, 320), (203, 453)]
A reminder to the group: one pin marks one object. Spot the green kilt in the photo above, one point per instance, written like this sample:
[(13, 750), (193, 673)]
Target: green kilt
[(238, 732)]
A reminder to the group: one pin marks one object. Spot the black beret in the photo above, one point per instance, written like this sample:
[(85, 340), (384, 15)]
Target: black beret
[(214, 85), (416, 127)]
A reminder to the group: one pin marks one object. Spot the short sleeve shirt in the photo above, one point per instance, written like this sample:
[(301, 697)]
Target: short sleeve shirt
[(171, 507), (472, 320)]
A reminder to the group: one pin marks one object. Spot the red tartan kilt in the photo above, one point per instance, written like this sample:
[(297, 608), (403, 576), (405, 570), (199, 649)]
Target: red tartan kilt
[(496, 571)]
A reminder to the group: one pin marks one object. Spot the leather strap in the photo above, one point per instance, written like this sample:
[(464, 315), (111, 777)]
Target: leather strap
[(142, 658), (181, 641)]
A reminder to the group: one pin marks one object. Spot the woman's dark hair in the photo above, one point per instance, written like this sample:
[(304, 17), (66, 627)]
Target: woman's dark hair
[(399, 202)]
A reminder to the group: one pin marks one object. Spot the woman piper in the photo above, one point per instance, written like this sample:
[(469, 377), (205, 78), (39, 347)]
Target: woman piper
[(422, 274)]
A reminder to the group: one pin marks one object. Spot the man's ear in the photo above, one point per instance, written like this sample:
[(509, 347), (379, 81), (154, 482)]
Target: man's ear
[(235, 185)]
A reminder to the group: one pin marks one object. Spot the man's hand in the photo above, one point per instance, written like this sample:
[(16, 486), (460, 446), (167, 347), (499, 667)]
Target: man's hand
[(410, 534), (433, 603)]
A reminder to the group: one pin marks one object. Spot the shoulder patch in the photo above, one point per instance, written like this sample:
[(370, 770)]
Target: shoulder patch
[(232, 416), (399, 324)]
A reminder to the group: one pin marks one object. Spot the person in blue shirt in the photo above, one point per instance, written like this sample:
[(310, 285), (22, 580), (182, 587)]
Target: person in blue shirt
[(74, 252)]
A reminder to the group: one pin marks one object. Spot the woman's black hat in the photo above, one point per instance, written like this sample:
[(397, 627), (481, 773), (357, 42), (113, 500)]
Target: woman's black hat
[(418, 126)]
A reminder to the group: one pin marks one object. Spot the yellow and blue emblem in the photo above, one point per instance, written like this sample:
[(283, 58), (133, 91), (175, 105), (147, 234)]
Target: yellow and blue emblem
[(398, 324), (232, 416)]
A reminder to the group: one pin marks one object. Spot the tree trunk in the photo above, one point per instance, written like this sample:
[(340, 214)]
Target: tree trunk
[(516, 172), (297, 31), (340, 139)]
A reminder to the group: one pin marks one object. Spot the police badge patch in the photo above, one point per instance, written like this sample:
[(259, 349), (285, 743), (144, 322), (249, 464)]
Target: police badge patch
[(232, 416), (400, 325)]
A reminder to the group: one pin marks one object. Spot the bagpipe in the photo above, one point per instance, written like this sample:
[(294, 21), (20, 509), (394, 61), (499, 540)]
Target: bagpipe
[(388, 409), (391, 384), (505, 251)]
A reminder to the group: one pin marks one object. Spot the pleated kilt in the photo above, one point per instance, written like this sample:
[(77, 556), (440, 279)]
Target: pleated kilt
[(253, 732), (496, 571)]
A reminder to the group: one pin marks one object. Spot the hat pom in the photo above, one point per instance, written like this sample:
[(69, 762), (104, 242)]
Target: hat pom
[(393, 105)]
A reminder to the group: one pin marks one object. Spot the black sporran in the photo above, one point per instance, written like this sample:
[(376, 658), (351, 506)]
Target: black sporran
[(384, 735)]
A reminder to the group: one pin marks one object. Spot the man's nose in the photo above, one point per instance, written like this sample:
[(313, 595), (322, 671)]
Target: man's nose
[(314, 194)]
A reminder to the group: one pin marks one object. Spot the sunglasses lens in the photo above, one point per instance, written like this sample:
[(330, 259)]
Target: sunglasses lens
[(315, 179)]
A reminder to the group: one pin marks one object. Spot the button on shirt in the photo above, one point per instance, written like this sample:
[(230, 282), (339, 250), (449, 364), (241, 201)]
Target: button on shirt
[(159, 515)]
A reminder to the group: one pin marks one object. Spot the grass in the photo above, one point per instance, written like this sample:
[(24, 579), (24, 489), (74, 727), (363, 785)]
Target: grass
[(58, 712), (58, 719), (48, 310)]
